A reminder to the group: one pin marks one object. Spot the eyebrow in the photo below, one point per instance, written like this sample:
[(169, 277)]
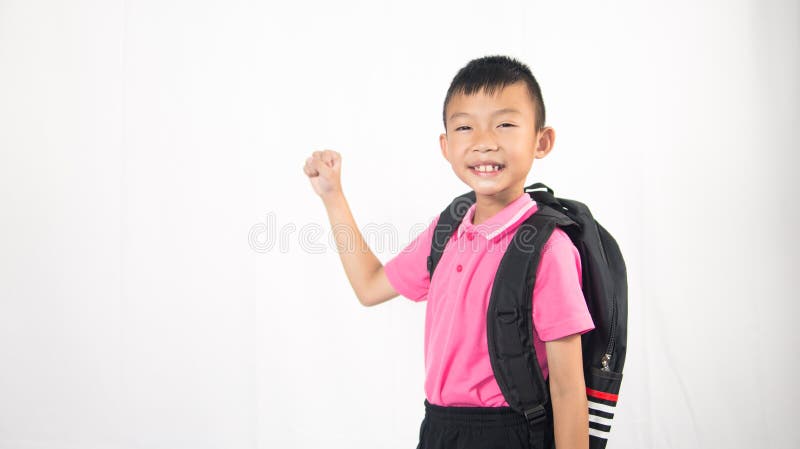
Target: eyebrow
[(497, 112)]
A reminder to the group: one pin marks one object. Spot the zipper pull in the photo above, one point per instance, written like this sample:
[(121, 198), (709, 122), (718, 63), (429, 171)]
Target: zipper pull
[(604, 362)]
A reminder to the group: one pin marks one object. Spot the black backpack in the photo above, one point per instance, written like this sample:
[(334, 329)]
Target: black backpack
[(509, 323)]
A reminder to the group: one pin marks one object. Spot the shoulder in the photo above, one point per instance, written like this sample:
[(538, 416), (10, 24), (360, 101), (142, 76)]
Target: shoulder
[(407, 271), (559, 306), (559, 242), (560, 259)]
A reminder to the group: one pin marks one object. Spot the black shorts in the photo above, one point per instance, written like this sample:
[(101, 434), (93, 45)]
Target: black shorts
[(480, 428)]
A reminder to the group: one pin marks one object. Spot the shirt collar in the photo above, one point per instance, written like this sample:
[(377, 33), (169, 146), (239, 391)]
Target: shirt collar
[(500, 222)]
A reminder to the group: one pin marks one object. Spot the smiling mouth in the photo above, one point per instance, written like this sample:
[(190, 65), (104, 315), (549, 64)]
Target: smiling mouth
[(487, 170)]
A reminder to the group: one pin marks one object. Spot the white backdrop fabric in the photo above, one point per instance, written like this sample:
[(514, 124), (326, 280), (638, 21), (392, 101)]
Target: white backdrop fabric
[(167, 275)]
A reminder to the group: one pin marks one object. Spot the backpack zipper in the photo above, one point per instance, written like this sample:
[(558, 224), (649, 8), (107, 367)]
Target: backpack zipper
[(606, 359), (604, 362)]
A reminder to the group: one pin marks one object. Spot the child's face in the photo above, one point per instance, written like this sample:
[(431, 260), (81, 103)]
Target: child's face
[(498, 128)]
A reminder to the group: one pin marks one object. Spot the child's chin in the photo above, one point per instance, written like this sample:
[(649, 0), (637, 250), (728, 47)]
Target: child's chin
[(486, 187)]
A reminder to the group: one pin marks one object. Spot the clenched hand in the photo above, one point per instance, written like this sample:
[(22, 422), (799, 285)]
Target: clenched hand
[(324, 169)]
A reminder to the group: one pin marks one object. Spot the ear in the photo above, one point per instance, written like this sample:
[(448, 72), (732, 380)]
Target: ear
[(546, 138), (443, 145)]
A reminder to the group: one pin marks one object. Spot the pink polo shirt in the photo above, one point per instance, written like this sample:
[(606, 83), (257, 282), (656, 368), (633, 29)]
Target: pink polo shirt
[(457, 367)]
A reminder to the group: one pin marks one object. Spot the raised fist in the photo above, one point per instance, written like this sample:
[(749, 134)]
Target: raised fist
[(323, 169)]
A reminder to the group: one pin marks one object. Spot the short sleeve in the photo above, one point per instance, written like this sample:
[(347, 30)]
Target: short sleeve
[(559, 307), (407, 271)]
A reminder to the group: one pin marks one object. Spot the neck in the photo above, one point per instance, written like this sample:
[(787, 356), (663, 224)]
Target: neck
[(486, 206)]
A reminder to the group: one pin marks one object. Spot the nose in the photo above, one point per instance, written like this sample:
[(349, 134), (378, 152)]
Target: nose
[(483, 141)]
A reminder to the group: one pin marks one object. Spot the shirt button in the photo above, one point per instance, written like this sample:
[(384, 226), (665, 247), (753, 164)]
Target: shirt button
[(470, 236), (458, 268)]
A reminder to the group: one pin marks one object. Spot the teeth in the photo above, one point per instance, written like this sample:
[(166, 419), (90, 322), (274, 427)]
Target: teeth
[(485, 168)]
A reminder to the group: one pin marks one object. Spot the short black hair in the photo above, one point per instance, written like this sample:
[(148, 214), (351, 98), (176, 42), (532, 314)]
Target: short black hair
[(490, 73)]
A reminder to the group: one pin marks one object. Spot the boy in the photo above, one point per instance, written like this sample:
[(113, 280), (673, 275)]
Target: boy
[(494, 119)]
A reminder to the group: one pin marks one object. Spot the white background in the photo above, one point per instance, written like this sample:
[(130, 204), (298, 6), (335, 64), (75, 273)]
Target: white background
[(143, 142)]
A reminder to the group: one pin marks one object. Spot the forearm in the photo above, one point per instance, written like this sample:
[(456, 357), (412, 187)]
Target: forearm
[(571, 418), (360, 264)]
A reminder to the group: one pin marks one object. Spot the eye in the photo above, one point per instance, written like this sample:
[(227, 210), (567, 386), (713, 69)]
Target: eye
[(462, 127), (509, 124)]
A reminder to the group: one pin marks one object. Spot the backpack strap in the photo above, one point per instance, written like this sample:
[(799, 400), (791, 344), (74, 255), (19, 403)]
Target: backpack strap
[(509, 322), (449, 220)]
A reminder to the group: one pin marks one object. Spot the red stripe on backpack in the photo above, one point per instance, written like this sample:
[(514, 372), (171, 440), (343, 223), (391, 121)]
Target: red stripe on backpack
[(601, 395)]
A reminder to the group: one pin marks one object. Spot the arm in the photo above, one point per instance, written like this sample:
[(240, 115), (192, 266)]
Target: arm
[(364, 270), (568, 393)]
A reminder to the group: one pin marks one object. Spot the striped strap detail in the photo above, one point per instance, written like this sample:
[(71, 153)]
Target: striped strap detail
[(600, 420), (601, 395), (598, 433), (601, 412), (601, 407)]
